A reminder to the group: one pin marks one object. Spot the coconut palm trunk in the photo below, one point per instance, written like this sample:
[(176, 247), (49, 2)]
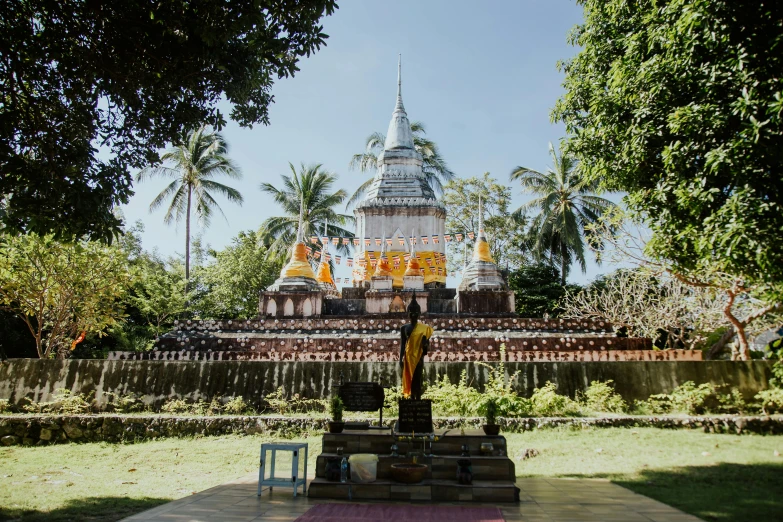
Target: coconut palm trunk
[(196, 159), (187, 240)]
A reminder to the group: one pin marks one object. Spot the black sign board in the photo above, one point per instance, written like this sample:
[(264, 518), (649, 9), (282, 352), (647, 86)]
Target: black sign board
[(361, 396), (415, 416)]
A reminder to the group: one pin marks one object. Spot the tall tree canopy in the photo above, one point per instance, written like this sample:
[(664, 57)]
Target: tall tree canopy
[(435, 168), (679, 103), (567, 206), (126, 78), (308, 190), (195, 160), (505, 230)]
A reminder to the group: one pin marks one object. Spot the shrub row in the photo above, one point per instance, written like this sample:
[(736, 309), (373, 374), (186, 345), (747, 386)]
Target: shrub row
[(37, 430)]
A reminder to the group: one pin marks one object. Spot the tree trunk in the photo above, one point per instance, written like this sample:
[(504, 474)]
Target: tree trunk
[(563, 266), (744, 349), (720, 344), (187, 242)]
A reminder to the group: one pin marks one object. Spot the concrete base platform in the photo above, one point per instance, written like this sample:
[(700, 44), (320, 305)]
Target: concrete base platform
[(429, 489), (541, 500)]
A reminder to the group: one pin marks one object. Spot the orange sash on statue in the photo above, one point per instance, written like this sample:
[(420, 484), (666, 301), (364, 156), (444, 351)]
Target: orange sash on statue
[(413, 353)]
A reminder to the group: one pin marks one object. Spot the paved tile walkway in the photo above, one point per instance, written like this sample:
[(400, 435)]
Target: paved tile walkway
[(540, 500)]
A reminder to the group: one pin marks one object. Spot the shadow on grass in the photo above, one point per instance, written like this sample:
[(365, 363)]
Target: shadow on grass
[(723, 492), (94, 509)]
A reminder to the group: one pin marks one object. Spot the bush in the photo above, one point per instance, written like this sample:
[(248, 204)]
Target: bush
[(391, 398), (601, 397), (686, 398), (546, 402), (453, 400), (509, 403), (5, 406), (771, 400), (120, 403), (175, 406), (732, 402), (279, 403), (238, 406), (64, 402)]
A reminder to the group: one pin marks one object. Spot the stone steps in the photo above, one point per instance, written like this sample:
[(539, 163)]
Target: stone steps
[(429, 489), (439, 467)]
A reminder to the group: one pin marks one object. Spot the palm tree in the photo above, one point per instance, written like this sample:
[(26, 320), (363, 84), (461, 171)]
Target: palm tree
[(567, 204), (436, 171), (308, 189), (197, 158)]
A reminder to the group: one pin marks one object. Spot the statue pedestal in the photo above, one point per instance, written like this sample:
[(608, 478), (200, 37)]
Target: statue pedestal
[(291, 303), (413, 283), (393, 301)]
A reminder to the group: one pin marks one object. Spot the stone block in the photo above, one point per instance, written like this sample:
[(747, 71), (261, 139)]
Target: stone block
[(46, 434), (410, 492), (72, 430), (371, 491), (9, 440)]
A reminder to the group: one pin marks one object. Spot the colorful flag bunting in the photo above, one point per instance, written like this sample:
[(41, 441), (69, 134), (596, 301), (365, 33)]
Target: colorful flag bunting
[(471, 235), (413, 240), (459, 237), (401, 240), (436, 239), (324, 240), (356, 241), (327, 257), (317, 254), (421, 270), (425, 239), (366, 241), (337, 259), (377, 241), (389, 241), (349, 261), (346, 241), (314, 239), (447, 237), (335, 241)]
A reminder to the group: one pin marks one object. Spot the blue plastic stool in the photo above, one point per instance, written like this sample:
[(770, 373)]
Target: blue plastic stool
[(272, 481)]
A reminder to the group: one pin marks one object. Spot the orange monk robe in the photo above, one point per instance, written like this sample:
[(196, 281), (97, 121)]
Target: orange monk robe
[(413, 354)]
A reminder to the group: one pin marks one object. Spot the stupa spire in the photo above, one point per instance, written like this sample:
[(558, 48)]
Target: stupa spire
[(300, 223), (399, 135), (399, 106), (481, 250)]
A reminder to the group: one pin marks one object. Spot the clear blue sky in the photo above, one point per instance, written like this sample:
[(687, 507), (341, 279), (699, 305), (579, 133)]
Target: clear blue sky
[(482, 76)]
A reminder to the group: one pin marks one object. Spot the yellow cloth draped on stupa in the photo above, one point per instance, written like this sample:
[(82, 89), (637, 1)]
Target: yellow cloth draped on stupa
[(400, 268), (298, 266), (413, 268), (413, 354), (384, 268), (324, 274), (481, 251)]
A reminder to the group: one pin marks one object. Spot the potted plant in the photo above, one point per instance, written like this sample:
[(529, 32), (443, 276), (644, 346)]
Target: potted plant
[(336, 425), (490, 415)]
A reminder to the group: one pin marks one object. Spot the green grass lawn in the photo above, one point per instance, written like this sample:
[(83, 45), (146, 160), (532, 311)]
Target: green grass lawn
[(716, 477)]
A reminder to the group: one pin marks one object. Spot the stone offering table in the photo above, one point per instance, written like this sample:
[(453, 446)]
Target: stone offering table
[(493, 474)]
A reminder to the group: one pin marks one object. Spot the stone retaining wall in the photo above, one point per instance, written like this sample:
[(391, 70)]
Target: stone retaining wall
[(34, 430), (159, 381)]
